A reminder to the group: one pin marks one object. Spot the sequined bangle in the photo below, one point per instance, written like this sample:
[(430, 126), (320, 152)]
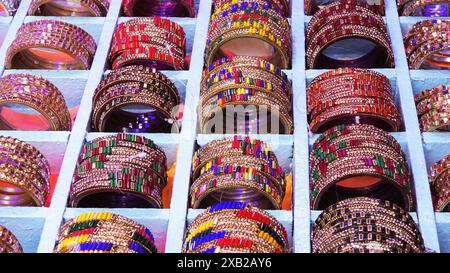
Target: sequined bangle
[(368, 225), (68, 8), (8, 7), (313, 6), (112, 174), (433, 109), (9, 242), (166, 8), (104, 232), (427, 8), (440, 184), (235, 227), (281, 5)]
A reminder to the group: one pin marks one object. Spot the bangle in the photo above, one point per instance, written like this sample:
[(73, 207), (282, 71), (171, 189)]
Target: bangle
[(358, 160), (427, 8), (24, 174), (440, 184), (235, 227), (9, 242), (433, 109), (104, 232), (69, 8), (313, 6), (135, 99), (71, 47), (8, 7), (163, 8), (256, 91), (342, 21), (154, 42), (257, 24), (281, 5), (346, 96), (248, 171), (366, 225), (121, 170), (38, 94)]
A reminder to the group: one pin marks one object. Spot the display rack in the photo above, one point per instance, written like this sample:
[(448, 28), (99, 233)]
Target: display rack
[(36, 228)]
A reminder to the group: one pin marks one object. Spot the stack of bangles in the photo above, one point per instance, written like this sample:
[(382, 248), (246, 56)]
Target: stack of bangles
[(8, 7), (104, 232), (51, 44), (249, 28), (9, 242), (347, 34), (235, 227), (351, 95), (122, 171), (89, 8), (24, 174), (366, 225), (36, 93), (166, 8), (254, 94), (237, 169), (427, 45), (280, 5), (313, 6), (426, 8), (135, 99), (358, 160), (440, 184), (154, 42), (433, 109)]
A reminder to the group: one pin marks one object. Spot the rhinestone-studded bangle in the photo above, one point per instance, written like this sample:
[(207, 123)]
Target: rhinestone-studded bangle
[(9, 242)]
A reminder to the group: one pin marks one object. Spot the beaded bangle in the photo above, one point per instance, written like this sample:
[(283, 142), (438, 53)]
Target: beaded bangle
[(313, 6), (440, 184), (69, 8), (110, 173), (104, 232), (433, 109), (281, 5), (235, 227), (368, 225), (427, 8), (166, 8), (9, 242), (8, 7)]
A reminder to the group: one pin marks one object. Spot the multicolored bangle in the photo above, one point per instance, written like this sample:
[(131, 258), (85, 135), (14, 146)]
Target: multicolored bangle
[(8, 7), (24, 174), (104, 232), (237, 169), (281, 5), (9, 242), (235, 227), (358, 160), (68, 8), (313, 6), (38, 94), (163, 8), (346, 20), (120, 170), (427, 8), (440, 184), (135, 99), (433, 109), (366, 225)]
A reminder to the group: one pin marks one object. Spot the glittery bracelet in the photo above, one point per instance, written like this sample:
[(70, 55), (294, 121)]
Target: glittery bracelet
[(8, 7), (312, 6), (427, 8), (9, 242), (68, 8), (166, 8)]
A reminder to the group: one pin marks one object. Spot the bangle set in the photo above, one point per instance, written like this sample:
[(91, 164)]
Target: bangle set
[(9, 242), (257, 93), (155, 42), (440, 184), (8, 8), (366, 225), (97, 8), (24, 174), (235, 227), (51, 44), (38, 94), (249, 28), (135, 99), (426, 8), (104, 232), (346, 24), (237, 169), (433, 109), (163, 8), (313, 6), (351, 95), (120, 171), (358, 160)]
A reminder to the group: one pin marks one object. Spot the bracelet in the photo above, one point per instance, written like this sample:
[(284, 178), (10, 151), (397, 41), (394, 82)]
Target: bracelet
[(366, 225), (8, 7), (433, 109), (235, 227), (36, 93), (166, 8), (346, 20), (248, 171), (281, 5), (9, 242), (440, 184), (427, 8), (313, 6), (98, 8), (104, 232), (72, 47), (121, 170), (24, 174)]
